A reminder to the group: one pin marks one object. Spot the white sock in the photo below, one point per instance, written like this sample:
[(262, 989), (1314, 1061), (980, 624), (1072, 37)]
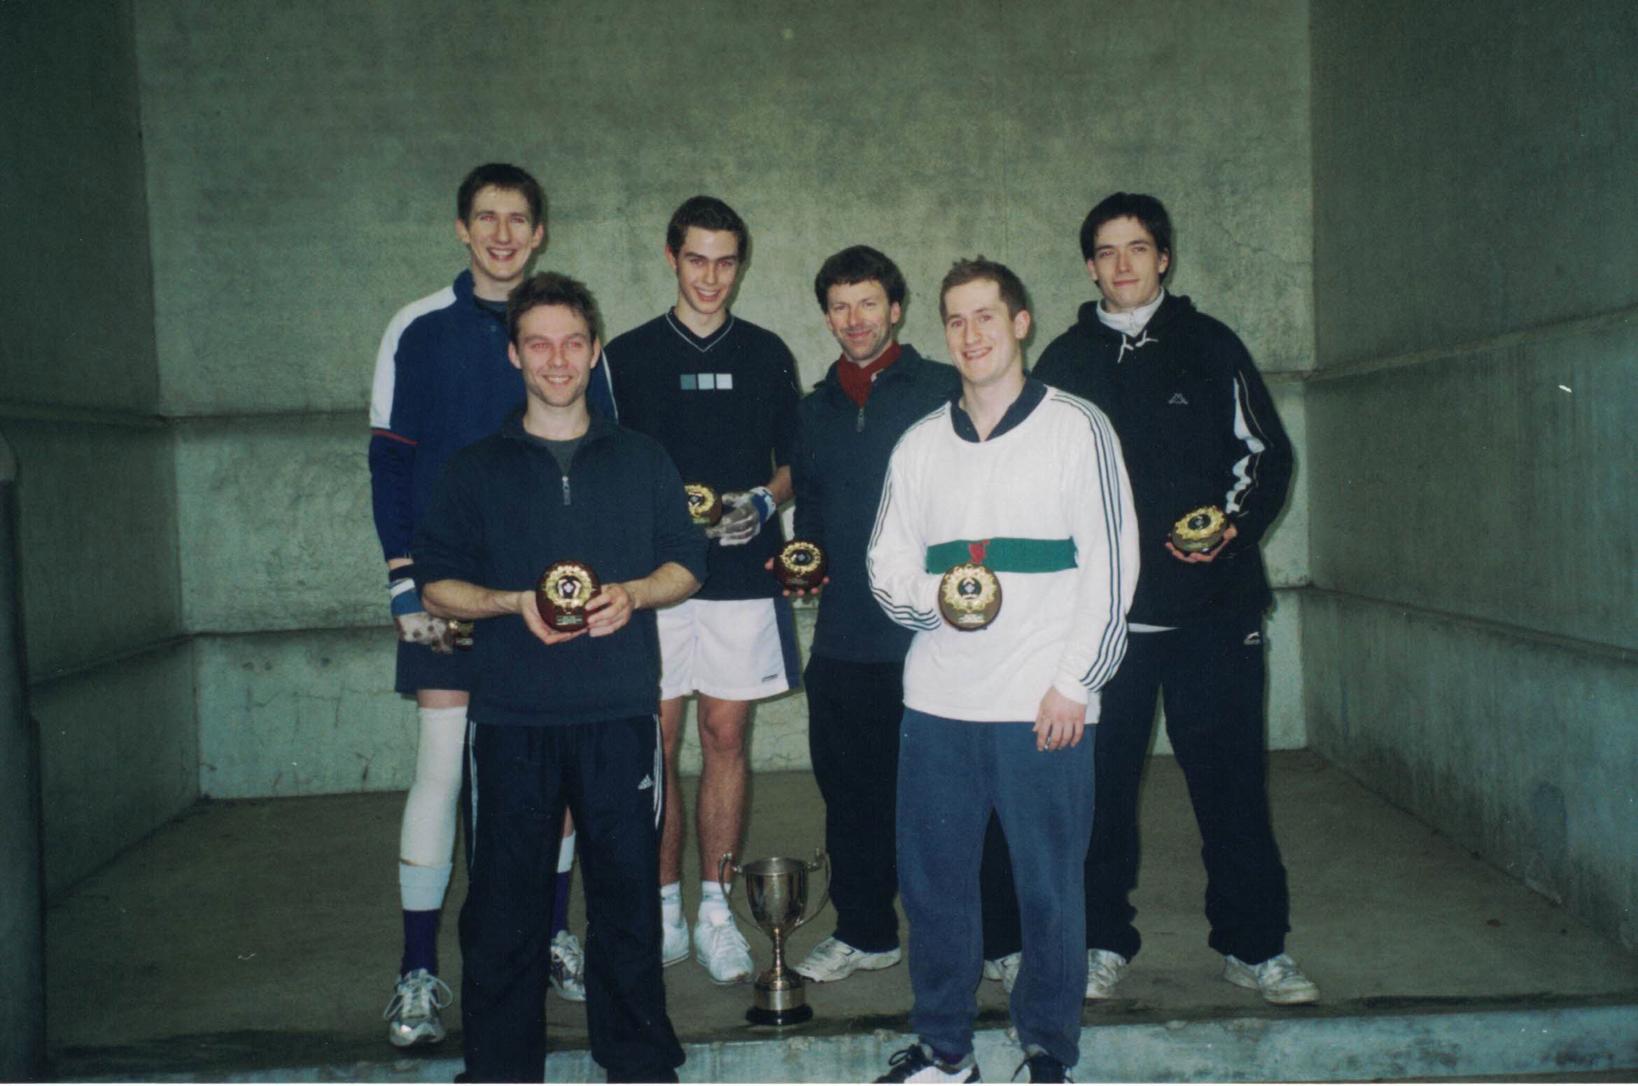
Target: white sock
[(565, 854), (714, 903), (671, 904), (421, 889)]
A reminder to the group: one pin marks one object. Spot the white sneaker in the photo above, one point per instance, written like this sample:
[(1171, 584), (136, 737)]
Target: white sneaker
[(412, 1013), (1004, 969), (1277, 980), (723, 951), (673, 940), (836, 960), (1104, 968), (566, 967)]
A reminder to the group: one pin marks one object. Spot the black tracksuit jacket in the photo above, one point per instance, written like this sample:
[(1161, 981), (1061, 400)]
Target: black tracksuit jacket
[(503, 511), (1197, 427)]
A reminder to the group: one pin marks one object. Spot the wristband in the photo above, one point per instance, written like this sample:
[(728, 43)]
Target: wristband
[(763, 499), (405, 599)]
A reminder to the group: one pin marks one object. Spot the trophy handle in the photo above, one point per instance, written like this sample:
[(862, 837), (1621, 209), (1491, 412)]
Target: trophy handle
[(724, 866), (821, 858)]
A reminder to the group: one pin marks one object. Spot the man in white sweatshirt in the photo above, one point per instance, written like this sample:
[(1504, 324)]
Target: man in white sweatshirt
[(1029, 483)]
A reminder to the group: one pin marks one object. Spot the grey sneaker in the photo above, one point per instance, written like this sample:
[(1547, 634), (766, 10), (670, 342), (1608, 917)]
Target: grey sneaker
[(566, 967), (836, 960), (723, 951), (1004, 969), (1104, 968), (1277, 980), (916, 1064), (412, 1014)]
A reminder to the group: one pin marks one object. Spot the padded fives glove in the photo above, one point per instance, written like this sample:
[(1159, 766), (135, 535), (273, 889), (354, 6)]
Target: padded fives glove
[(745, 512)]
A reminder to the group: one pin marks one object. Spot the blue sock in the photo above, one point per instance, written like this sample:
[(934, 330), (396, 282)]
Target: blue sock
[(560, 888), (560, 903), (420, 941)]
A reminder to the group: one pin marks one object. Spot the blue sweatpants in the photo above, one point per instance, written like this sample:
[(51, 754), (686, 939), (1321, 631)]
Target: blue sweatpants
[(952, 774)]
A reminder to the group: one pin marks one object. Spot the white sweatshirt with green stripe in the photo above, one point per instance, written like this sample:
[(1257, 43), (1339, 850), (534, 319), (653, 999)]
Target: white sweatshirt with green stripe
[(1056, 475)]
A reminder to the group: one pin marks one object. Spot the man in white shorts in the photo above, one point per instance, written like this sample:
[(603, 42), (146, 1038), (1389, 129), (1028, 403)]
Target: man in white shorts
[(719, 393)]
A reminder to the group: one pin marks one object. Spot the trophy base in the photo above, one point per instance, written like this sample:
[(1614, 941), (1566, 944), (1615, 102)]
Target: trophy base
[(790, 1016)]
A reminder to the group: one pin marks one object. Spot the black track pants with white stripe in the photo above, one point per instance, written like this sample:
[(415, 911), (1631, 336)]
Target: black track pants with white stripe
[(520, 780)]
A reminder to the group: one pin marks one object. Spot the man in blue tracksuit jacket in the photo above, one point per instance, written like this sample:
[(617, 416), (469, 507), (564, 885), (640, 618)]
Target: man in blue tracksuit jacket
[(846, 430), (561, 720)]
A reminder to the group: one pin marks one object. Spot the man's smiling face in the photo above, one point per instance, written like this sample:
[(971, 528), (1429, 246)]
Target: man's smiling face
[(502, 236)]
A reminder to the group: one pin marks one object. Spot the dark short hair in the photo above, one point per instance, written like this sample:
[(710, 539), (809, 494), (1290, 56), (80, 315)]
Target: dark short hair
[(859, 264), (963, 272), (501, 176), (707, 213), (1129, 205), (552, 288)]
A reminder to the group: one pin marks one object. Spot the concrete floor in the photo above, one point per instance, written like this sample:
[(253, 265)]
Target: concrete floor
[(260, 938)]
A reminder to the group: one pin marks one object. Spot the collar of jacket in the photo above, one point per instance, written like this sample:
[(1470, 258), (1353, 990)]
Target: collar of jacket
[(1171, 308), (513, 428), (909, 360)]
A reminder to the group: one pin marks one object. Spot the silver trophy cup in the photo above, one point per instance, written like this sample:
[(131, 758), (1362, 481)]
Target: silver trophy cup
[(777, 890)]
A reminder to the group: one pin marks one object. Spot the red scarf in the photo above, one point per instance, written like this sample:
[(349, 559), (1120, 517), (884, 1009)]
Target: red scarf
[(857, 380)]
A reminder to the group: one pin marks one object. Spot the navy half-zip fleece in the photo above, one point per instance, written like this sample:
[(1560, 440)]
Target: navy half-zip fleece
[(503, 511), (838, 466), (1197, 427)]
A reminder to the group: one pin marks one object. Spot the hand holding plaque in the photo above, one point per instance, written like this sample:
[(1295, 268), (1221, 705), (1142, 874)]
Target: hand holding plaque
[(1199, 530), (800, 566), (562, 593)]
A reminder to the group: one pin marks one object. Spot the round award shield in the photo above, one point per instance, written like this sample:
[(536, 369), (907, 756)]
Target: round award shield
[(562, 593), (1199, 530), (799, 565), (969, 596), (704, 504)]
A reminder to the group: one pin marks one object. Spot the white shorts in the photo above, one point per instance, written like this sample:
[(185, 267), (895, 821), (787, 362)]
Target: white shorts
[(736, 650)]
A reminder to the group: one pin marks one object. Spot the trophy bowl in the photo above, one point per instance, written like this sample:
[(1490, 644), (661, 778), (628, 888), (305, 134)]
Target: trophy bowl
[(800, 565), (969, 596), (704, 504), (776, 890), (562, 593)]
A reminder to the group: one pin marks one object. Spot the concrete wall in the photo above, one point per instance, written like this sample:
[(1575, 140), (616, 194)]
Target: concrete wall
[(1474, 651), (301, 164), (110, 683)]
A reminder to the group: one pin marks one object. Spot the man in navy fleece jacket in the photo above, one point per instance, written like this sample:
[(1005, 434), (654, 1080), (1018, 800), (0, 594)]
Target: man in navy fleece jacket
[(561, 719)]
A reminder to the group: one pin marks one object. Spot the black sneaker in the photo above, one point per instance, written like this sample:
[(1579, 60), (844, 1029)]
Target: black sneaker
[(1043, 1068), (913, 1064)]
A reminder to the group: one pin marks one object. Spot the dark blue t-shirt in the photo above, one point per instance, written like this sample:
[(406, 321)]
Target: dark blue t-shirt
[(722, 407)]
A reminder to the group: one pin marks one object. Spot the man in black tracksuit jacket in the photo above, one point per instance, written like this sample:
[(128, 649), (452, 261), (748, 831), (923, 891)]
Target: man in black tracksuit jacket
[(1197, 428), (846, 429), (561, 719)]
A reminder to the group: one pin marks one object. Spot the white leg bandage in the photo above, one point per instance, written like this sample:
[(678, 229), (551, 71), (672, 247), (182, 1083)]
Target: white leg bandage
[(427, 838)]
